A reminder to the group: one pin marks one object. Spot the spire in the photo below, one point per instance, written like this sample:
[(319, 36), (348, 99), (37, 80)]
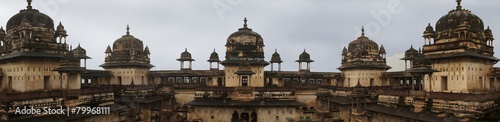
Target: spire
[(128, 30), (362, 30), (29, 4), (275, 50), (214, 49), (185, 49), (245, 22), (458, 4)]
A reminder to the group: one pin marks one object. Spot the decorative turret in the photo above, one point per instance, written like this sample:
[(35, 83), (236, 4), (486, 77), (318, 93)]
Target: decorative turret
[(61, 33), (410, 54), (186, 56), (81, 53), (147, 52), (214, 58), (305, 57), (429, 34), (108, 51), (276, 58), (489, 35), (382, 52), (344, 51)]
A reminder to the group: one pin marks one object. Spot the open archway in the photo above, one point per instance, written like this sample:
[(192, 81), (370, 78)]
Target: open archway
[(236, 117), (254, 117), (245, 117)]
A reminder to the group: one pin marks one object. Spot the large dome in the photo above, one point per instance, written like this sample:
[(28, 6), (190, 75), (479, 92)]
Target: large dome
[(363, 43), (454, 18), (249, 35), (127, 42), (32, 16)]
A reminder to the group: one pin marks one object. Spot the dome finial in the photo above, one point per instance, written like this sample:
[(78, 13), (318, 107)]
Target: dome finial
[(214, 49), (275, 50), (458, 4), (128, 30), (362, 30), (245, 22), (29, 4)]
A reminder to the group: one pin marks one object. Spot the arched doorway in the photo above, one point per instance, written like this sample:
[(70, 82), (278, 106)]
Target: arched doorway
[(245, 117), (236, 117), (254, 117)]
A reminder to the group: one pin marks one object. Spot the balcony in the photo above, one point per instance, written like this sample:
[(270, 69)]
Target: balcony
[(474, 97), (52, 94), (187, 86)]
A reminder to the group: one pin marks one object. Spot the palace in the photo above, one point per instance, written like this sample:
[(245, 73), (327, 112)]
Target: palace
[(450, 78)]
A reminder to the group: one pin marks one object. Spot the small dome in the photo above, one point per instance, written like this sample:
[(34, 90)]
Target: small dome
[(421, 62), (146, 50), (304, 57), (429, 31), (276, 58), (32, 16), (108, 49), (185, 56), (488, 34), (382, 49), (70, 60), (60, 30), (79, 52), (127, 42), (454, 18), (411, 53), (214, 57), (344, 51)]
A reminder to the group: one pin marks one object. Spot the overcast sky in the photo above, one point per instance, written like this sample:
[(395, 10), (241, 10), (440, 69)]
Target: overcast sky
[(322, 27)]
